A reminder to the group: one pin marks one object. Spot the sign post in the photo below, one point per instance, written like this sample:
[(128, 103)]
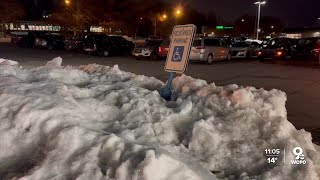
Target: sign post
[(178, 54)]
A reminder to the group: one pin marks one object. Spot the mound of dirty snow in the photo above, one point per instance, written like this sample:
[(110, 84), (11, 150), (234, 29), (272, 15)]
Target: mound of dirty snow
[(98, 122)]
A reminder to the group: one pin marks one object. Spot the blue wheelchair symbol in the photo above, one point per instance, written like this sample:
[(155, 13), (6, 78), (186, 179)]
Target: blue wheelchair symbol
[(177, 53)]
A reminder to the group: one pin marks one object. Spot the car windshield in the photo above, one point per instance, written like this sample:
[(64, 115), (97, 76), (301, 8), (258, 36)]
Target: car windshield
[(153, 42), (280, 42), (241, 44), (228, 41), (165, 42), (311, 41), (211, 42), (197, 42), (79, 36)]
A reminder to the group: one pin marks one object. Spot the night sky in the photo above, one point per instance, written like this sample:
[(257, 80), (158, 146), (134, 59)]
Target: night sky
[(294, 13)]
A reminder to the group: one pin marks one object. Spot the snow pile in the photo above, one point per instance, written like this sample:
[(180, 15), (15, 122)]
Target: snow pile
[(8, 62), (98, 122)]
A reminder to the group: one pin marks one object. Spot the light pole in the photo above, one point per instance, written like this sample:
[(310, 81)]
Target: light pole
[(155, 26), (73, 8), (259, 3), (177, 14), (163, 17)]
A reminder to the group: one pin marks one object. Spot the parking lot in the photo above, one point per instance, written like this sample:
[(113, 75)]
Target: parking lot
[(298, 79)]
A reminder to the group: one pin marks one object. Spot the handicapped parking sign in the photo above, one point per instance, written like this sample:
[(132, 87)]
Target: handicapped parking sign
[(180, 47), (177, 53)]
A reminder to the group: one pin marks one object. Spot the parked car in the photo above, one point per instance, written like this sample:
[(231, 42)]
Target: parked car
[(228, 40), (50, 41), (209, 50), (91, 41), (164, 49), (104, 45), (150, 49), (24, 39), (74, 42), (16, 38), (277, 48), (245, 49), (307, 49)]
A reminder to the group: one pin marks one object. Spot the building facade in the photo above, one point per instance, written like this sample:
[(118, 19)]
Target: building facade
[(302, 32)]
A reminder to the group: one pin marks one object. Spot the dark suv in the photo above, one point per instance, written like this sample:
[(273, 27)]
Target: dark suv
[(307, 49), (277, 48), (91, 41), (75, 42), (50, 41), (105, 45), (26, 39)]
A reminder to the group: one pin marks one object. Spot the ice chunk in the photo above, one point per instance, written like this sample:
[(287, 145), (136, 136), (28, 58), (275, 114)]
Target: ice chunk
[(56, 62)]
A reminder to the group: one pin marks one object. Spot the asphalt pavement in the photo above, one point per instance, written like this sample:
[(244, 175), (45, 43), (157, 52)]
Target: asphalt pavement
[(300, 80)]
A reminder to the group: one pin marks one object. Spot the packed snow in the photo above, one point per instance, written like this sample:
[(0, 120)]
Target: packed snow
[(98, 122)]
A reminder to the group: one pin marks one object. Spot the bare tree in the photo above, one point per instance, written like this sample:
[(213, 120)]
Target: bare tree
[(75, 16), (11, 11), (114, 14)]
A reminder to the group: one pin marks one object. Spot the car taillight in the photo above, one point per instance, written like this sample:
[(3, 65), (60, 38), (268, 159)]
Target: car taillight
[(279, 53), (160, 49), (316, 50)]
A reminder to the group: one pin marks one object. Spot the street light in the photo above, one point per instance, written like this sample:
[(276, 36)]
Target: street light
[(161, 17), (242, 20), (178, 12), (259, 3), (164, 16), (67, 2)]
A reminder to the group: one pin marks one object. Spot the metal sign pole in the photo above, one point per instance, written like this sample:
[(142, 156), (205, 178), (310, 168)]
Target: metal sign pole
[(166, 91)]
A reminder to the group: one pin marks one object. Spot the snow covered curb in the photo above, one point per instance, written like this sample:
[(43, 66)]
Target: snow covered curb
[(98, 122)]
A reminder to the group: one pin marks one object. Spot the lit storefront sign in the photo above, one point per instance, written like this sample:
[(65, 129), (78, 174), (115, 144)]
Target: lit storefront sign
[(96, 29), (31, 27)]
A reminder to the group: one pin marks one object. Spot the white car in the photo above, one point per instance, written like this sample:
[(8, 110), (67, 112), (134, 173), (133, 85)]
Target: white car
[(147, 50), (209, 50), (245, 49)]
